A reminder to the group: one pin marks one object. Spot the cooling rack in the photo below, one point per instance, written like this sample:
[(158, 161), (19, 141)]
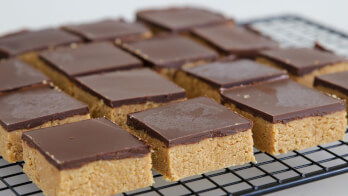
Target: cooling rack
[(271, 173)]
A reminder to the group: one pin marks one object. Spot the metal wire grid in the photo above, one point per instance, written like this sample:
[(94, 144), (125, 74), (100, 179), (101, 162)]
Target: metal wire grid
[(271, 173)]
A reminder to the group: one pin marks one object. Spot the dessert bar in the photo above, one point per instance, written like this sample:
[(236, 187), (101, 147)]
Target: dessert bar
[(30, 109), (335, 84), (111, 30), (193, 137), (63, 64), (178, 19), (288, 116), (16, 74), (229, 39), (213, 78), (168, 53), (116, 94), (91, 157), (303, 64)]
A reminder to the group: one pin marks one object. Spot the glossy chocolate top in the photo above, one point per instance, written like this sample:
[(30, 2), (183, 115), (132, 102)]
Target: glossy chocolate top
[(301, 61), (34, 40), (179, 19), (107, 30), (228, 74), (189, 121), (131, 87), (33, 107), (16, 74), (75, 144), (89, 59), (234, 40), (282, 101), (170, 51), (335, 81)]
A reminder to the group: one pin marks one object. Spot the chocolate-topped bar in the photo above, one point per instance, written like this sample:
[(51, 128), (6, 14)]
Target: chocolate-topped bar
[(16, 74), (63, 64), (229, 39), (303, 64), (110, 29), (212, 78), (288, 116), (168, 53), (61, 159), (200, 130), (34, 108), (334, 84), (30, 41), (178, 19), (116, 94)]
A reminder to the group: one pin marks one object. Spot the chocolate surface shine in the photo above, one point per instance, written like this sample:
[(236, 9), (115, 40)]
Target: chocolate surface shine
[(230, 39), (15, 74), (170, 51), (188, 121), (301, 61), (228, 74), (89, 59), (283, 101), (33, 107), (179, 19), (35, 40), (131, 87), (75, 144), (107, 30), (337, 81)]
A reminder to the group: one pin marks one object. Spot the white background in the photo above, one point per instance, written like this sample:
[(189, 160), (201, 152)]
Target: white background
[(16, 14)]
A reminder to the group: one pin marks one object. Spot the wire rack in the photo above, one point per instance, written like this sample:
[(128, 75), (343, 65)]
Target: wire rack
[(271, 173)]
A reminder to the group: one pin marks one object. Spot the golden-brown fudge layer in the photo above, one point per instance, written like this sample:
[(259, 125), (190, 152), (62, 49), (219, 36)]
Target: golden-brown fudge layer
[(210, 154), (11, 142), (332, 92), (275, 138), (104, 177), (308, 79)]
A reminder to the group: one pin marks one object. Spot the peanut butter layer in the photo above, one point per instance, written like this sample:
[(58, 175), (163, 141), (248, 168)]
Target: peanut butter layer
[(89, 59), (233, 40), (179, 19), (16, 74), (301, 61), (29, 41), (188, 121), (84, 142), (282, 101), (170, 51), (109, 30)]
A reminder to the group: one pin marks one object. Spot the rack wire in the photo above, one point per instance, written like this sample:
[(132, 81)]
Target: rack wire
[(271, 173)]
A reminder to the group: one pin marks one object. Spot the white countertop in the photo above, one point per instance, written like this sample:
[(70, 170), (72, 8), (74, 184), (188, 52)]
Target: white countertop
[(16, 14)]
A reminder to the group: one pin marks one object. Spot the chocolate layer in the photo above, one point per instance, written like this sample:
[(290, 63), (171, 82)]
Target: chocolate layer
[(336, 81), (35, 40), (189, 121), (130, 87), (33, 107), (89, 59), (229, 74), (170, 51), (234, 40), (282, 101), (107, 30), (301, 61), (72, 145), (16, 74), (179, 19)]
